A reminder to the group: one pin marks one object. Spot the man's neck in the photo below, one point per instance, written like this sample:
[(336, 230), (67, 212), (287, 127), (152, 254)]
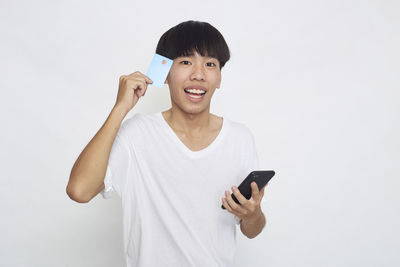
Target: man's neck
[(190, 124)]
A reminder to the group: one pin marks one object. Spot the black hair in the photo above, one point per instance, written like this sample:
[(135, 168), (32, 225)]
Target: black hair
[(189, 36)]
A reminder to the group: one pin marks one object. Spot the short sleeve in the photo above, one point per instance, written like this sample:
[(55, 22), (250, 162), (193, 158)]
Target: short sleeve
[(106, 193), (118, 167)]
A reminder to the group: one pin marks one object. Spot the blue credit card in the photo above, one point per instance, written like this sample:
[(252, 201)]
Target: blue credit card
[(158, 70)]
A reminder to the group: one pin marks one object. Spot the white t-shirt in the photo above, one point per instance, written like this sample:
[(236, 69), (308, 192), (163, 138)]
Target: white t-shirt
[(172, 196)]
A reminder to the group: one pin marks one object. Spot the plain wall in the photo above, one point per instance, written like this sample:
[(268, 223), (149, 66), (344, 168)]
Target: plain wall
[(317, 82)]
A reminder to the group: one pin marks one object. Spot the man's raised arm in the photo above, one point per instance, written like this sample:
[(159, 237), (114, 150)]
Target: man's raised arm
[(87, 175)]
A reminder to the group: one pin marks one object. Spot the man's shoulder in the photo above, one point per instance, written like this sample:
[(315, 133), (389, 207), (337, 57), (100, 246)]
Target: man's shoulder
[(137, 124), (239, 128), (139, 119)]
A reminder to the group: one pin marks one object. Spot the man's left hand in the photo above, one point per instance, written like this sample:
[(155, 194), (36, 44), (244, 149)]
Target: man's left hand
[(250, 208)]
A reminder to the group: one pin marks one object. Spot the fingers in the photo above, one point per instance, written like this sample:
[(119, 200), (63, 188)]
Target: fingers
[(131, 88), (227, 207), (148, 80), (141, 76), (255, 193), (136, 77), (239, 196), (137, 82), (231, 205)]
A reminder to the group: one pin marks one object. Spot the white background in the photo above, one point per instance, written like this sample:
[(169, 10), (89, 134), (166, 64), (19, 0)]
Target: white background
[(316, 81)]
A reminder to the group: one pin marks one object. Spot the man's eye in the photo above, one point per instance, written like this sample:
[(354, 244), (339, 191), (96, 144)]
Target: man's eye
[(210, 64), (185, 62)]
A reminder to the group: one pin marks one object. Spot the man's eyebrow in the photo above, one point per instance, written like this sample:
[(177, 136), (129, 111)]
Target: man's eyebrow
[(192, 55)]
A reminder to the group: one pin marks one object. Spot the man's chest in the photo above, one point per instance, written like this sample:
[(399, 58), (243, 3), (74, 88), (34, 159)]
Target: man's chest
[(198, 143)]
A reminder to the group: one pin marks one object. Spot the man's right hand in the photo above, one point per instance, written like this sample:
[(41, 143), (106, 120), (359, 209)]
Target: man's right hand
[(131, 88)]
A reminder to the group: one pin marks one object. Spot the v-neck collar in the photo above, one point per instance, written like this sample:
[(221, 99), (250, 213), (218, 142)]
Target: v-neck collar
[(184, 148)]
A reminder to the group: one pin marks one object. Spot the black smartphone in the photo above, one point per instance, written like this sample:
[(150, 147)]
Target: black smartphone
[(260, 177)]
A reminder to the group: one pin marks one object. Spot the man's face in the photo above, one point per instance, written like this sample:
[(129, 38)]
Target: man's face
[(188, 74)]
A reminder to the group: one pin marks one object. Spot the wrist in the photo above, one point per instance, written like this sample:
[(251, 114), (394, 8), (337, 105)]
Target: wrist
[(255, 218), (117, 109)]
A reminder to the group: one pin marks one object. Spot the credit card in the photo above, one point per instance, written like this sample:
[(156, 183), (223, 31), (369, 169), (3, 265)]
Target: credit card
[(158, 70)]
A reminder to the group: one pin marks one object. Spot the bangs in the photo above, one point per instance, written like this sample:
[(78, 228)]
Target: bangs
[(193, 36)]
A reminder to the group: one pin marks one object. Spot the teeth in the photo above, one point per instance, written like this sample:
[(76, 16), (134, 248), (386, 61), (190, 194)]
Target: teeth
[(196, 96), (195, 91)]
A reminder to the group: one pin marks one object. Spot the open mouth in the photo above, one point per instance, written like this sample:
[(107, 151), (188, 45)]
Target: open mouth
[(195, 93)]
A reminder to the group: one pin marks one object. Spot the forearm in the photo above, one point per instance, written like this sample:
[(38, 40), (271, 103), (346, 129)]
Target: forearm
[(87, 174), (252, 227)]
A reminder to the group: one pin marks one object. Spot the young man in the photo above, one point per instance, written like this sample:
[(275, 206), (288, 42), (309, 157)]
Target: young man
[(172, 169)]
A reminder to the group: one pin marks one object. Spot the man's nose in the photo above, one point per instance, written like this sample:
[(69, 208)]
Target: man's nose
[(198, 73)]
